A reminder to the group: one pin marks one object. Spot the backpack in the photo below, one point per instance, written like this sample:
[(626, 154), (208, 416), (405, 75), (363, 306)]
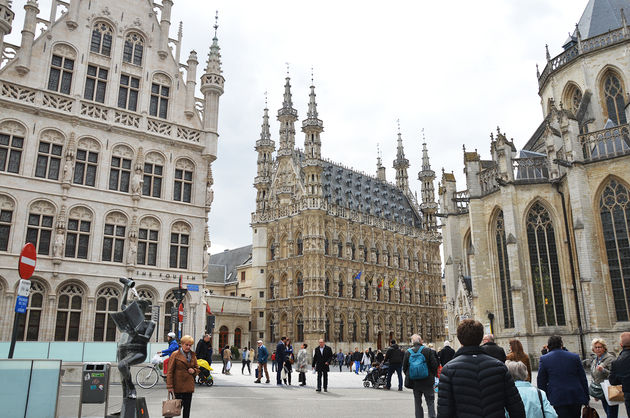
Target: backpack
[(418, 368)]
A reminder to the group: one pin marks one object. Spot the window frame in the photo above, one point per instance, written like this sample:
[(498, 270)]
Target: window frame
[(128, 91), (10, 151), (95, 89), (64, 71)]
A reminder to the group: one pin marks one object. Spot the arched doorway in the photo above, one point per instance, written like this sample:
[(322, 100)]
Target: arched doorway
[(223, 337), (237, 337)]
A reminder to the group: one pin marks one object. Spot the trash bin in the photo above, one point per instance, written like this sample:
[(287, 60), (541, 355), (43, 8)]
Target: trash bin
[(95, 382)]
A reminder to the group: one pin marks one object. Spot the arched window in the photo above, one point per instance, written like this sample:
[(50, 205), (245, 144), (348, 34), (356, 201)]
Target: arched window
[(300, 328), (28, 324), (148, 234), (366, 289), (11, 145), (78, 233), (283, 286), (572, 97), (355, 335), (182, 189), (86, 162), (300, 245), (49, 155), (101, 42), (272, 250), (353, 251), (365, 254), (326, 287), (114, 237), (469, 252), (615, 214), (504, 272), (106, 304), (153, 174), (543, 258), (300, 285), (180, 242), (147, 295), (120, 168), (69, 304), (614, 98), (367, 331), (340, 290), (223, 336), (326, 245), (237, 337), (271, 289), (40, 226), (61, 68), (7, 207), (272, 330), (134, 48), (340, 247), (327, 329), (341, 329), (354, 289)]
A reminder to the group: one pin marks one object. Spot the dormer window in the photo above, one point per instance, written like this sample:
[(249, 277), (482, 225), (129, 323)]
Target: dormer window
[(101, 42), (134, 48)]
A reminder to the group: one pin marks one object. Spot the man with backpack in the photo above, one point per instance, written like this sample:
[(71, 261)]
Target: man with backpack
[(420, 368)]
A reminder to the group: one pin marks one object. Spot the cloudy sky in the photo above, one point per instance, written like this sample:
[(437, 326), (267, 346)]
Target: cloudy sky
[(456, 69)]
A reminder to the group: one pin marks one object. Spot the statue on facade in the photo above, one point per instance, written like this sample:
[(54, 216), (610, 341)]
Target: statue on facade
[(58, 244), (135, 334), (136, 183)]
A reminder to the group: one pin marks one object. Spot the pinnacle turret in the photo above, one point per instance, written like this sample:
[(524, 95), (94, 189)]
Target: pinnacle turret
[(265, 148), (287, 116), (427, 176), (401, 164), (312, 128)]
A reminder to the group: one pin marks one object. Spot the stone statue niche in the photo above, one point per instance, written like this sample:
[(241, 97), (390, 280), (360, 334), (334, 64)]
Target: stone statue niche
[(132, 347)]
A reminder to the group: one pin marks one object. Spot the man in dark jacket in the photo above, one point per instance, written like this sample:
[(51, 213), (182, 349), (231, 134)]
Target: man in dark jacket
[(203, 348), (280, 354), (474, 384), (356, 358), (562, 377), (490, 347), (422, 386), (394, 356), (322, 356), (620, 370), (446, 354)]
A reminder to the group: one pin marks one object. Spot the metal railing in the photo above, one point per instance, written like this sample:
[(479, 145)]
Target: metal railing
[(531, 169)]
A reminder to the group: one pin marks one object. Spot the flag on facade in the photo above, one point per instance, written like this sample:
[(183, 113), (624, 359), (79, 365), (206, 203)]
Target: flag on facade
[(358, 276), (380, 283), (208, 311), (392, 284), (222, 305), (404, 284)]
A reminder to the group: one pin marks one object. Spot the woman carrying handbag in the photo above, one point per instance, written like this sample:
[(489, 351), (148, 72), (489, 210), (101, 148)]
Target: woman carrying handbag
[(600, 369), (182, 369)]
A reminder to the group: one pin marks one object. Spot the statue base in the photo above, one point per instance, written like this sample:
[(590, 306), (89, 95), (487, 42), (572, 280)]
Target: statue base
[(132, 408)]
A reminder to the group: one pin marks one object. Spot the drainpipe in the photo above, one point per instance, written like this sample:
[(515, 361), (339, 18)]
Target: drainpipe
[(571, 263)]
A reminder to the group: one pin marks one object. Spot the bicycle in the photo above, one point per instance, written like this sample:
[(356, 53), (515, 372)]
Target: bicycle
[(148, 376)]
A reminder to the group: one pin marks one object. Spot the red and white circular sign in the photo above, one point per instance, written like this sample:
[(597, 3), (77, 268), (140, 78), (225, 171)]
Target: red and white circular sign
[(181, 312), (28, 259)]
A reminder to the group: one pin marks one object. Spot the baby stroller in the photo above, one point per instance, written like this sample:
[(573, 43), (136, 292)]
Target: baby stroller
[(376, 376), (204, 377)]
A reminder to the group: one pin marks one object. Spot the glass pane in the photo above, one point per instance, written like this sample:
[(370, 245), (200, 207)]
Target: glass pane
[(64, 302)]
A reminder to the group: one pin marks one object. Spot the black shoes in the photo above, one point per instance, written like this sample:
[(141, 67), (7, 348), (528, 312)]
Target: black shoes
[(258, 381), (318, 390), (399, 389), (325, 390)]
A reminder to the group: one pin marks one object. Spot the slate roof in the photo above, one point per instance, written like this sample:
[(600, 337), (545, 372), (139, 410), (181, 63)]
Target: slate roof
[(601, 16), (222, 266)]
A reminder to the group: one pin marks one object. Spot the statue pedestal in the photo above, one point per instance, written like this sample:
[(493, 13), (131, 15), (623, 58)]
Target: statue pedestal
[(133, 408)]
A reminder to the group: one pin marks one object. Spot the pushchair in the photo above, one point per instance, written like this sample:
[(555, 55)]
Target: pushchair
[(204, 377), (376, 376)]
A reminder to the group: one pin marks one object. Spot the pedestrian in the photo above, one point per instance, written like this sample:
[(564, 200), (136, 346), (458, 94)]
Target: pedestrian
[(380, 358), (321, 361), (416, 362), (600, 370), (180, 378), (492, 349), (203, 348), (475, 384), (544, 350), (395, 358), (562, 377), (348, 360), (251, 356), (620, 370), (227, 359), (302, 364), (273, 361), (365, 361), (518, 354), (435, 354), (263, 356), (287, 369), (534, 400), (244, 362), (371, 354), (446, 354), (340, 358), (280, 350), (356, 359), (172, 345)]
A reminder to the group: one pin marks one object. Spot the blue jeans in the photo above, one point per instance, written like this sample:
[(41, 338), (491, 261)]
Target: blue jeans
[(357, 366), (390, 373)]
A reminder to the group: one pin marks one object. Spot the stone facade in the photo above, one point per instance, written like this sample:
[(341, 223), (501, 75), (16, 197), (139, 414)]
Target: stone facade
[(337, 253), (537, 244), (105, 167)]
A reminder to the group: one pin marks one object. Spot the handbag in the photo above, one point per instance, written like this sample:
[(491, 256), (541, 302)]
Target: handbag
[(171, 407), (595, 390), (228, 365), (615, 393), (588, 412), (606, 389), (408, 382)]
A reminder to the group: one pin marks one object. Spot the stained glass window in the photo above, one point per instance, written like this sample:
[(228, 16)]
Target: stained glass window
[(504, 273)]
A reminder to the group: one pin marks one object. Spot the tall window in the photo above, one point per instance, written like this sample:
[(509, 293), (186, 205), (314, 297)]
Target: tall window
[(147, 295), (300, 328), (504, 272), (237, 337), (327, 286), (48, 160), (614, 98), (158, 105), (354, 330), (60, 77), (95, 83), (68, 320), (134, 48), (78, 234), (148, 242), (28, 325), (365, 254), (300, 285), (271, 289), (114, 237), (40, 226), (543, 258), (327, 329), (272, 250), (6, 219), (101, 42), (574, 98), (223, 336), (367, 331), (341, 326), (300, 245), (178, 256), (366, 289), (153, 171), (128, 92), (615, 213), (326, 246), (354, 289), (340, 293), (339, 248), (106, 304), (182, 189), (86, 163), (10, 152), (170, 315), (120, 169), (353, 251)]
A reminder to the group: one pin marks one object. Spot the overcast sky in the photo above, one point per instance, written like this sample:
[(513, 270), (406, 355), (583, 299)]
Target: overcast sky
[(455, 68)]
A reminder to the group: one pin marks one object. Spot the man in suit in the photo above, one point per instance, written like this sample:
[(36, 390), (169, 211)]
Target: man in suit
[(562, 377), (492, 349), (321, 361), (280, 354)]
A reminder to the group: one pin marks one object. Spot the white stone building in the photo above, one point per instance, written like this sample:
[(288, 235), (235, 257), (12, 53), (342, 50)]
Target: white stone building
[(105, 165), (538, 242)]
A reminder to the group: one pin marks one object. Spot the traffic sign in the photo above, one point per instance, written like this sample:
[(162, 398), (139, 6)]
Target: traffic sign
[(180, 313), (21, 304), (24, 288), (26, 263)]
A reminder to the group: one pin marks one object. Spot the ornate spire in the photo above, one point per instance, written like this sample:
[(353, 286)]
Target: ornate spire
[(287, 102), (287, 116), (265, 134), (214, 56), (427, 176), (401, 164)]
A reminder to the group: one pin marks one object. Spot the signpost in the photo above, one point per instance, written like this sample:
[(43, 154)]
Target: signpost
[(26, 267), (180, 293)]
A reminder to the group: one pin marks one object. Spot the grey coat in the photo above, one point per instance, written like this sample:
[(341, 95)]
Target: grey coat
[(302, 361), (606, 363)]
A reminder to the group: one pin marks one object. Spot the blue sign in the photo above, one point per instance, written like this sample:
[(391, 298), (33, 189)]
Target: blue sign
[(193, 287), (21, 304)]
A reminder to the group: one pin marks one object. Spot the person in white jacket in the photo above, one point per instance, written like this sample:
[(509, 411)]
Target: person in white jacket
[(366, 361)]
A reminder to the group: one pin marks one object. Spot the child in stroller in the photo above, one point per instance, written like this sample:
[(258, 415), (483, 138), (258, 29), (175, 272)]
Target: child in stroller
[(204, 377), (376, 376)]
